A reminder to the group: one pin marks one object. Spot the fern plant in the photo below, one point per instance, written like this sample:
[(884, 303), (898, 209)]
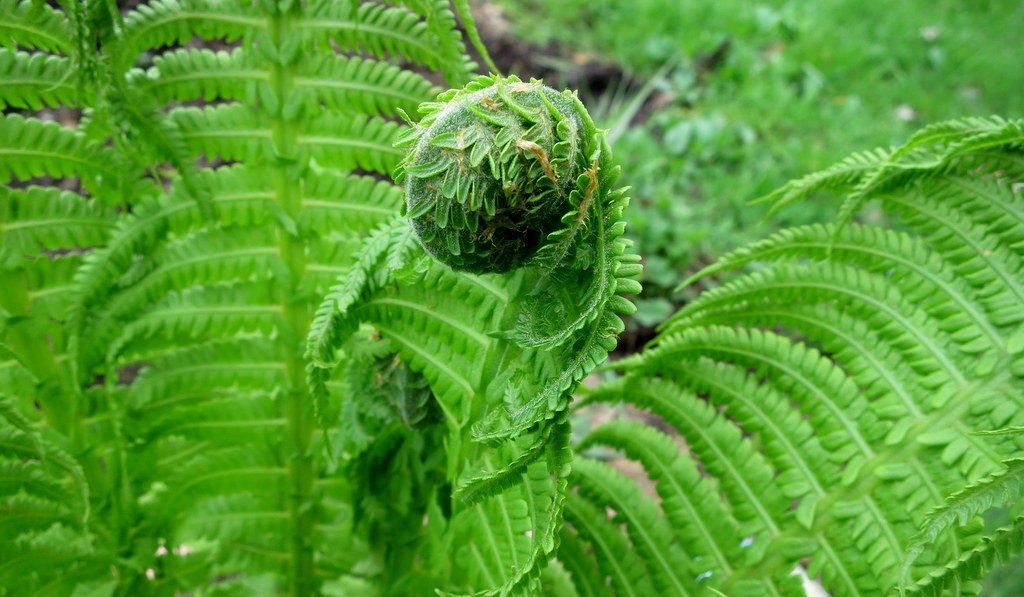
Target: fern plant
[(830, 395)]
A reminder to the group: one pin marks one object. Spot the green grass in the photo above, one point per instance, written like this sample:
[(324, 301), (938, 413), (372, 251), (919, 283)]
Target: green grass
[(802, 85)]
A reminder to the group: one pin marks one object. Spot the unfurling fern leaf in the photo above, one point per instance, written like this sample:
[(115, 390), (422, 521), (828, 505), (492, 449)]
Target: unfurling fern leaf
[(511, 185), (834, 392)]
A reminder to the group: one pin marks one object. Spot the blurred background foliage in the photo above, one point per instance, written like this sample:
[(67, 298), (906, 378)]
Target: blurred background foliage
[(713, 103)]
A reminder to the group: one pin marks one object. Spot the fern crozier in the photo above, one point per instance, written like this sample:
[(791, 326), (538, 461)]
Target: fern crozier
[(490, 169)]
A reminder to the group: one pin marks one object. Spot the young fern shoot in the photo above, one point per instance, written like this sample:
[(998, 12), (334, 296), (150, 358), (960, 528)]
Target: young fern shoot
[(515, 222)]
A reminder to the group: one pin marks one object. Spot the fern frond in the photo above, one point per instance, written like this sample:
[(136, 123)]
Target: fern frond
[(231, 131), (223, 471), (700, 520), (950, 131), (839, 177), (351, 141), (579, 563), (462, 8), (244, 365), (53, 549), (849, 375), (243, 528), (232, 420), (867, 296), (943, 149), (218, 311), (906, 261), (332, 324), (670, 569), (162, 349), (627, 572), (431, 332), (239, 194), (345, 203), (974, 500), (977, 255), (221, 256), (41, 482), (506, 558), (360, 85)]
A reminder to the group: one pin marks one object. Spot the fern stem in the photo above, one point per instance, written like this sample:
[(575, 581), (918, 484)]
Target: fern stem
[(295, 403)]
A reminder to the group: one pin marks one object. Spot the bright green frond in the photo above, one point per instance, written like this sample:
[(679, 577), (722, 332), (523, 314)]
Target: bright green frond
[(963, 573), (671, 570), (703, 524), (836, 392), (234, 132), (349, 141), (335, 203), (216, 311), (995, 490)]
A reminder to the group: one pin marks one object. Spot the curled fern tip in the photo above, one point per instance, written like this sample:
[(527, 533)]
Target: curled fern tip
[(490, 168)]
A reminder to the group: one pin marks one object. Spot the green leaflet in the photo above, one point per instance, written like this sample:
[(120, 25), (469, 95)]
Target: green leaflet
[(152, 327)]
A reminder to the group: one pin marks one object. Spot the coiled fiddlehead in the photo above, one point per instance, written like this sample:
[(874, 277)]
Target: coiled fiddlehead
[(490, 169)]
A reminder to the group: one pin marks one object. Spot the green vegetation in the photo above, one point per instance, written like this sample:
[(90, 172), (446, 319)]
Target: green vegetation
[(237, 359), (765, 92)]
